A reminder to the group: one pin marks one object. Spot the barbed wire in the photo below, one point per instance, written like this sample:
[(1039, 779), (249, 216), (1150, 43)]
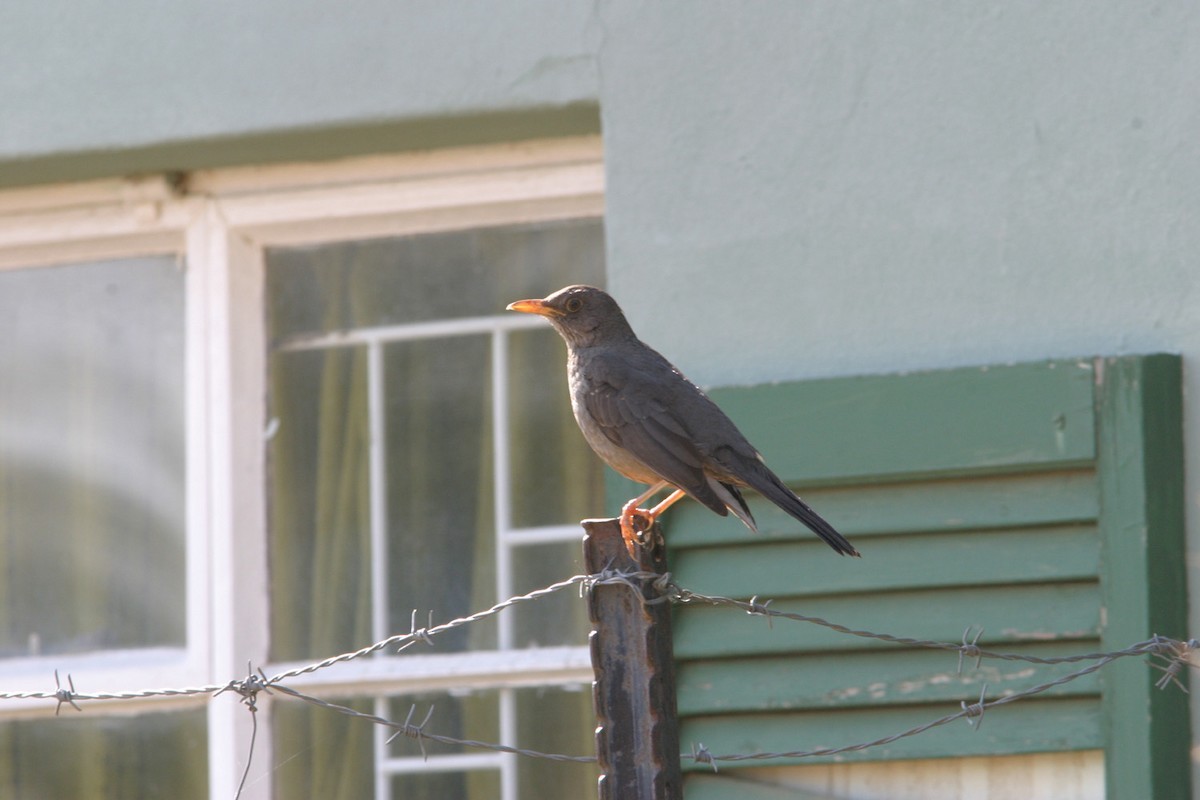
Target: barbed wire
[(419, 733), (1155, 645), (973, 713), (400, 641), (425, 634), (69, 695), (1175, 656)]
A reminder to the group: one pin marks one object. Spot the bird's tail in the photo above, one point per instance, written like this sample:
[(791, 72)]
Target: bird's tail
[(767, 484)]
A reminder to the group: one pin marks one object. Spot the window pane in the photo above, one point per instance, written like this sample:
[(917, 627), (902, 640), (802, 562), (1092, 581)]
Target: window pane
[(320, 753), (473, 785), (465, 716), (549, 720), (90, 756), (556, 721), (471, 273), (557, 619), (556, 478), (439, 456), (91, 457)]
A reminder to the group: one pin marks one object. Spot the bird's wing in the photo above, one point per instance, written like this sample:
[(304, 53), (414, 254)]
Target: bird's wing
[(631, 405)]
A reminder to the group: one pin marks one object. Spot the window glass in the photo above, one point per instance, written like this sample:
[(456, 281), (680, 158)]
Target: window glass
[(556, 721), (320, 753), (551, 720), (440, 485), (479, 784), (143, 757), (469, 715), (398, 281), (91, 457), (546, 440), (559, 618)]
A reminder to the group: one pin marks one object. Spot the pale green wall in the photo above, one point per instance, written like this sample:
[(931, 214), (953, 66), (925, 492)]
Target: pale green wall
[(93, 87), (849, 187), (795, 188), (826, 188)]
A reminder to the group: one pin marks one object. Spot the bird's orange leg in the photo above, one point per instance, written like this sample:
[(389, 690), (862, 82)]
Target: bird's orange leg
[(673, 498), (630, 531)]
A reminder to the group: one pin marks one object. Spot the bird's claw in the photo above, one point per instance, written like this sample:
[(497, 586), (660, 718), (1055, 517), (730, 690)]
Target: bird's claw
[(635, 529)]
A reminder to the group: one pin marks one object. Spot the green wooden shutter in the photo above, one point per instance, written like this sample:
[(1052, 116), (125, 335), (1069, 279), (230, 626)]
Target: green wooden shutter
[(1042, 502)]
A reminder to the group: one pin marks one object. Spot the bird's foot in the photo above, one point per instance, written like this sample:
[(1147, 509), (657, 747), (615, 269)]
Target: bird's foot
[(635, 527)]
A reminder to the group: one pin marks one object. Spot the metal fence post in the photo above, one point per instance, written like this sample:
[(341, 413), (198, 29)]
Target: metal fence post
[(637, 724)]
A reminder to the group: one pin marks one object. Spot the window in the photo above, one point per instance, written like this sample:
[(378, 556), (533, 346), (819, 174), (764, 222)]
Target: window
[(263, 415)]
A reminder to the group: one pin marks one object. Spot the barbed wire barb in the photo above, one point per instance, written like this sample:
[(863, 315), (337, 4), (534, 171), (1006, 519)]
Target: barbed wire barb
[(970, 649), (415, 731), (975, 711), (589, 581), (700, 755), (64, 695), (248, 689), (757, 609), (1177, 656), (418, 634)]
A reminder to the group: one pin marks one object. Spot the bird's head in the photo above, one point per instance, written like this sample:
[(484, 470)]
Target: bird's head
[(583, 315)]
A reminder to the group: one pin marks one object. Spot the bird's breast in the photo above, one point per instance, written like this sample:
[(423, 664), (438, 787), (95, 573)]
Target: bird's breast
[(602, 442)]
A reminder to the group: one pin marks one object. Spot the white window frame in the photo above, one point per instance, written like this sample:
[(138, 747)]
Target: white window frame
[(220, 223)]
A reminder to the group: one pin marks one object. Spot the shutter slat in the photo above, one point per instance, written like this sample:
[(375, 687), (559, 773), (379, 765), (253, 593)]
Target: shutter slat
[(847, 680), (1025, 727), (1030, 555), (1006, 613), (926, 506)]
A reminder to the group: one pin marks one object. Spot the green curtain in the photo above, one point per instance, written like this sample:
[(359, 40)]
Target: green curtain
[(320, 548)]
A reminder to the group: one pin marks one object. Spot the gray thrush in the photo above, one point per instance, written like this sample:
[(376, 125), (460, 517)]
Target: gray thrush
[(653, 425)]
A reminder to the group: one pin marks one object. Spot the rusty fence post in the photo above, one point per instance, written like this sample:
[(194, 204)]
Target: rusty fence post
[(637, 724)]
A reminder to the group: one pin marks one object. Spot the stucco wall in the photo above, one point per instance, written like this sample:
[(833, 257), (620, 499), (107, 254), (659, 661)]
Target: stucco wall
[(91, 88), (830, 188), (795, 189), (904, 185)]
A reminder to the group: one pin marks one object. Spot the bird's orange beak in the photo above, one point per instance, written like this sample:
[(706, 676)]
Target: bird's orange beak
[(540, 307)]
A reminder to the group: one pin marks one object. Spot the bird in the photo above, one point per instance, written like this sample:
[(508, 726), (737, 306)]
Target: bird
[(647, 421)]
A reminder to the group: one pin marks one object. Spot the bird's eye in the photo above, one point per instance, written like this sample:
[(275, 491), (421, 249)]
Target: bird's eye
[(574, 304)]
